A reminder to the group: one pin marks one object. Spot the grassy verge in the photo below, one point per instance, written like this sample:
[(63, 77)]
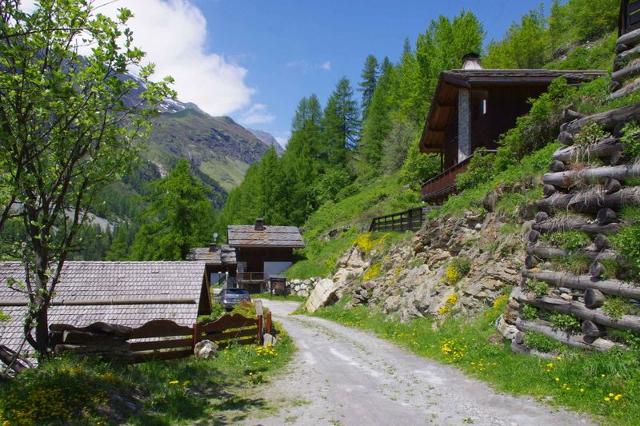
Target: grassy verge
[(287, 298), (606, 385), (69, 391)]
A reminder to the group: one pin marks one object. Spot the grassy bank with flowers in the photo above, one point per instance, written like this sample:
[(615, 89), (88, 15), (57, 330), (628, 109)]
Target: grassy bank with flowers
[(86, 392), (604, 385)]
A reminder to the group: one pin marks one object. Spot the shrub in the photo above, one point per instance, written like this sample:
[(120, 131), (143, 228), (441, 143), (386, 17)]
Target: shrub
[(627, 242), (539, 288), (448, 304), (616, 307), (631, 139), (568, 240), (565, 322), (373, 272), (590, 134), (419, 168), (529, 312), (480, 166), (542, 343), (217, 310), (456, 270)]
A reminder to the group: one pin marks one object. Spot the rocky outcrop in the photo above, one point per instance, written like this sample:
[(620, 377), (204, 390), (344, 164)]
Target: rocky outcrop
[(452, 266), (323, 294)]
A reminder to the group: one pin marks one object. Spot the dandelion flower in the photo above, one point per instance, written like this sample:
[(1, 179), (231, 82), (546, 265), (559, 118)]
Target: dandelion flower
[(606, 398), (174, 382), (618, 397)]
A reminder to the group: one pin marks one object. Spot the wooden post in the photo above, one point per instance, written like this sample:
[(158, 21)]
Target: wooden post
[(259, 324), (267, 326), (196, 335)]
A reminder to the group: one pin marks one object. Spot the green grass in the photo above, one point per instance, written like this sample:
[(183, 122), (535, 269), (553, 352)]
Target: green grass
[(575, 380), (349, 216), (228, 172), (85, 392), (269, 296), (471, 199)]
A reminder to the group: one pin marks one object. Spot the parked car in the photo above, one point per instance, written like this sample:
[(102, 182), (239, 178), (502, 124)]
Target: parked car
[(229, 297)]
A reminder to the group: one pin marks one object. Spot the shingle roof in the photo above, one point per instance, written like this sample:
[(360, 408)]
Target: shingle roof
[(126, 293), (223, 255), (270, 236)]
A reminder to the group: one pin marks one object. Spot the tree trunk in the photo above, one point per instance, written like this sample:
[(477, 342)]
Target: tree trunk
[(42, 332), (590, 201), (596, 270), (576, 153), (609, 120), (584, 282), (630, 71), (625, 90), (601, 242), (576, 223), (549, 190), (557, 166), (591, 329), (611, 186), (624, 57), (627, 322), (606, 216), (574, 340), (593, 175), (545, 252), (629, 39), (593, 299)]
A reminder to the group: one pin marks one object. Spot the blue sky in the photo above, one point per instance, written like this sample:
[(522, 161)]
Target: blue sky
[(292, 48)]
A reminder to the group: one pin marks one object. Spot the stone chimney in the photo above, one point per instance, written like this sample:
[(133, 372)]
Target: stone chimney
[(471, 61), (259, 224)]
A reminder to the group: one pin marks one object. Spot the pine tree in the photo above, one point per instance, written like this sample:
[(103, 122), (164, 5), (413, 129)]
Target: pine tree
[(178, 218), (368, 84), (340, 124)]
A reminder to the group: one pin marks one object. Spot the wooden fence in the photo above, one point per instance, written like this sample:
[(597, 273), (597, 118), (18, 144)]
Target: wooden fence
[(158, 339), (409, 220)]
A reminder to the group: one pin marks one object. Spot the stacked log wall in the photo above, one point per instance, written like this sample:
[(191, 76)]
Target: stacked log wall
[(586, 188)]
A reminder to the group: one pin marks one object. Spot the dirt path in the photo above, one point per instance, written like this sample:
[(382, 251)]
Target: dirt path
[(342, 376)]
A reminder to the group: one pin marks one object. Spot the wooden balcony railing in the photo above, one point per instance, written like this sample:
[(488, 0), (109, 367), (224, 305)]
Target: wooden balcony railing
[(438, 188), (254, 277)]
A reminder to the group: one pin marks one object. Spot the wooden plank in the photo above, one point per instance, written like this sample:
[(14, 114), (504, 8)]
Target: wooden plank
[(232, 334), (161, 328), (160, 344), (144, 357), (225, 322)]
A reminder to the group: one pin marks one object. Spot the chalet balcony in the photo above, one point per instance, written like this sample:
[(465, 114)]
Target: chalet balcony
[(250, 277), (437, 189)]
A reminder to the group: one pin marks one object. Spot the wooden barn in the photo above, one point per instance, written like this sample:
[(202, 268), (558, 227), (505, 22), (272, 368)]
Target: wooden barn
[(124, 293), (262, 252), (472, 107)]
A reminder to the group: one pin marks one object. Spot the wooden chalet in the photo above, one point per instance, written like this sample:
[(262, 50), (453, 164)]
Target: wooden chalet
[(262, 252), (220, 263), (472, 107), (124, 293)]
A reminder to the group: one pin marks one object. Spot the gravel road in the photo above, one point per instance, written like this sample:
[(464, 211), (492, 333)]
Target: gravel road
[(342, 376)]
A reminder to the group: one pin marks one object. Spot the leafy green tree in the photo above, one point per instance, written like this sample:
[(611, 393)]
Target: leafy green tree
[(368, 84), (123, 237), (179, 217), (396, 145), (419, 167), (524, 47), (65, 130)]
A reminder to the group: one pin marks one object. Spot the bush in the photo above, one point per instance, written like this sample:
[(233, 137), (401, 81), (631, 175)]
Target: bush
[(568, 240), (631, 140), (539, 288), (480, 166), (529, 312), (627, 242), (419, 168), (456, 270), (616, 307), (565, 322)]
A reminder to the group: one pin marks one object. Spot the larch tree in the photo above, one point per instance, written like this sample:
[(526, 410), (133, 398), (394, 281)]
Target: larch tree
[(368, 83), (340, 124), (69, 122), (179, 217)]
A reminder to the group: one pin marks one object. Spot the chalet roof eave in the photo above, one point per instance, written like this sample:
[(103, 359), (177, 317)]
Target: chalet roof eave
[(292, 246)]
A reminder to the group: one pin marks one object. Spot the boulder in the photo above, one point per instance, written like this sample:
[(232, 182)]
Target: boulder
[(322, 295), (269, 340), (205, 349)]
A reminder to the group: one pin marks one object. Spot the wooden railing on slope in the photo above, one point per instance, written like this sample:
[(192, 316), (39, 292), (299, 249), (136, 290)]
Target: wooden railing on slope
[(409, 220)]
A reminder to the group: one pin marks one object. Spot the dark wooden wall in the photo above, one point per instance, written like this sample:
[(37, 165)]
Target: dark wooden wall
[(504, 106), (256, 256)]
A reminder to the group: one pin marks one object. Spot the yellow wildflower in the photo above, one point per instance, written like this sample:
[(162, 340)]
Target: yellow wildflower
[(618, 397), (174, 382)]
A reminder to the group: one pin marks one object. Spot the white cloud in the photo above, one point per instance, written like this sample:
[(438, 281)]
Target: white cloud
[(283, 140), (306, 66), (173, 33), (326, 66), (257, 114)]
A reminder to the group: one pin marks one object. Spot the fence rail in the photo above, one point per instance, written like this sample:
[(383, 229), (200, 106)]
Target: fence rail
[(409, 220), (158, 339)]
